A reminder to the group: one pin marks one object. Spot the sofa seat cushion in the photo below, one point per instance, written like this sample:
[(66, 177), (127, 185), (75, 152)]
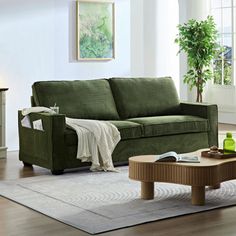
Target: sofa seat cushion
[(128, 130), (168, 125), (84, 99), (140, 97)]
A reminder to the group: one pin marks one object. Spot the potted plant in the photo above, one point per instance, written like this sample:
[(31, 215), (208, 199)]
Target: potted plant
[(198, 39)]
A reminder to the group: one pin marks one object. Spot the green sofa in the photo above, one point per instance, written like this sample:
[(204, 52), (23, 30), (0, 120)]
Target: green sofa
[(146, 111)]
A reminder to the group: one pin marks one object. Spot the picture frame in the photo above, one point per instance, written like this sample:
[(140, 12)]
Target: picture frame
[(95, 29)]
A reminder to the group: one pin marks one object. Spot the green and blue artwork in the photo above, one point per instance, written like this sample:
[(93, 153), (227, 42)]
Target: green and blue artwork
[(95, 30)]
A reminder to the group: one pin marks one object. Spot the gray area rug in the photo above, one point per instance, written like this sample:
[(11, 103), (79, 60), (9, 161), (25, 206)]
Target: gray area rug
[(97, 202)]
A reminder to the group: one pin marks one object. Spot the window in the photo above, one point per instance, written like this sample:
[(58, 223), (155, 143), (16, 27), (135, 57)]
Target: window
[(224, 66)]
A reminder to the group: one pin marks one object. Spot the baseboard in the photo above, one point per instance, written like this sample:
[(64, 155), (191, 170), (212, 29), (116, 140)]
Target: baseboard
[(227, 118), (3, 152)]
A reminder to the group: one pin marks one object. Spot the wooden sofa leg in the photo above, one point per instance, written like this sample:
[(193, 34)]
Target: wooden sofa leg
[(57, 172)]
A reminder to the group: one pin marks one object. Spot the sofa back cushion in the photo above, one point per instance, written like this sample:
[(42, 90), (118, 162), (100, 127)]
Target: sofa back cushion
[(136, 97), (84, 99)]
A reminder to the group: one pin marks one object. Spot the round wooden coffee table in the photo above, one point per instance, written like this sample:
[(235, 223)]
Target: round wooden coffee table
[(209, 172)]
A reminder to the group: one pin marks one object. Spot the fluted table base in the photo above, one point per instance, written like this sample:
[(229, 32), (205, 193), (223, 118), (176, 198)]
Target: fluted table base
[(209, 172)]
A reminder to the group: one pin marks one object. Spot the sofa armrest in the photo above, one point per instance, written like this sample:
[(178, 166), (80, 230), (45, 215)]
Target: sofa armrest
[(207, 111), (43, 147)]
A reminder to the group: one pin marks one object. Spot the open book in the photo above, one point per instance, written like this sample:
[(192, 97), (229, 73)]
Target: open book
[(173, 156)]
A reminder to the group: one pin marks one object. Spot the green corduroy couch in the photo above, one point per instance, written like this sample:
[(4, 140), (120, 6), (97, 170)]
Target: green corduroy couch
[(147, 112)]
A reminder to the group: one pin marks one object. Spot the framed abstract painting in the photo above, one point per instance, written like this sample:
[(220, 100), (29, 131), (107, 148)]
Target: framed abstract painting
[(95, 30)]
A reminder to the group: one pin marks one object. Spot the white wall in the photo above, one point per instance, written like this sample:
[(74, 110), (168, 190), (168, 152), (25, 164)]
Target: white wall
[(65, 45), (37, 43), (225, 98), (26, 54)]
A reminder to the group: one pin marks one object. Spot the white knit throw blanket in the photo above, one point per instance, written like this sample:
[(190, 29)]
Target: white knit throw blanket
[(27, 111), (96, 142)]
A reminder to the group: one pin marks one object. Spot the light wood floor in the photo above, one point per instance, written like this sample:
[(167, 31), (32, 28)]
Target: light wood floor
[(17, 220)]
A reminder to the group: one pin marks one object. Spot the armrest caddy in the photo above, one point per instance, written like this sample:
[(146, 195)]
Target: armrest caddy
[(207, 111), (44, 148)]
